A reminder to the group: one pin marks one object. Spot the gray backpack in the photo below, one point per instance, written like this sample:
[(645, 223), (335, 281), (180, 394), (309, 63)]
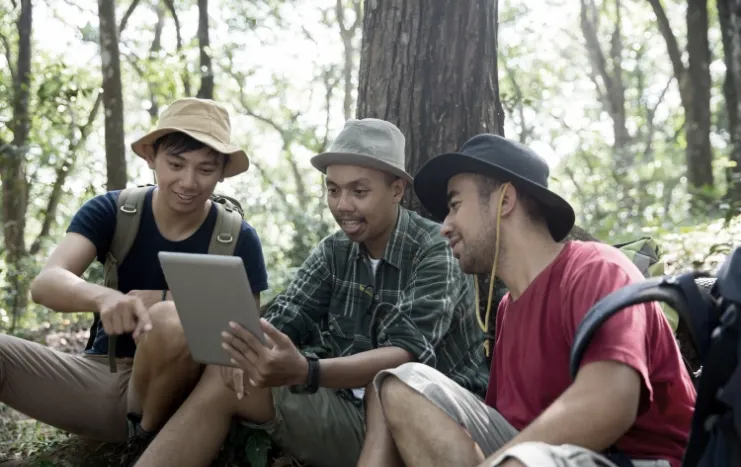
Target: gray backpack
[(129, 209)]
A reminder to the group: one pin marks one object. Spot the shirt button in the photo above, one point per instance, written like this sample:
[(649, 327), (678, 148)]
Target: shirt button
[(331, 327), (377, 296)]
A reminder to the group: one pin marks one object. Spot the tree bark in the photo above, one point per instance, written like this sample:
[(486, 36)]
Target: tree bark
[(112, 96), (207, 73), (431, 69), (699, 152), (347, 34), (729, 17), (154, 51), (609, 73), (184, 74), (694, 89), (13, 169), (736, 65)]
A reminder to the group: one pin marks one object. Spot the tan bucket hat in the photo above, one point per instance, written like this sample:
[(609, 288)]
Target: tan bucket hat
[(203, 120), (369, 142)]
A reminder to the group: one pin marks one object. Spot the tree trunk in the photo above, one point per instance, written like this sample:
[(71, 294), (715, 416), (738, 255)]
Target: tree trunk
[(729, 16), (431, 69), (736, 65), (154, 51), (207, 73), (699, 152), (347, 34), (694, 89), (13, 170), (112, 96), (607, 75)]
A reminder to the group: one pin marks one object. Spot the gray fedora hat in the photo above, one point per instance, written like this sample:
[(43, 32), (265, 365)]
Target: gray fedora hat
[(369, 142)]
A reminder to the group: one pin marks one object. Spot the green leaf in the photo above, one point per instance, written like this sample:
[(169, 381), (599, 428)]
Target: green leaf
[(257, 447)]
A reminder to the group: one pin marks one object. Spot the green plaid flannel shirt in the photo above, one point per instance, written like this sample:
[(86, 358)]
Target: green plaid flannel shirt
[(419, 300)]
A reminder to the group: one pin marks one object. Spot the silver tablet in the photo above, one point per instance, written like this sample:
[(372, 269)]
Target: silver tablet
[(209, 291)]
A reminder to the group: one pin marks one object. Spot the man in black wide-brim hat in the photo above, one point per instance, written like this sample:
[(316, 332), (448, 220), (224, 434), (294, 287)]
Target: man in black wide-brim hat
[(632, 400)]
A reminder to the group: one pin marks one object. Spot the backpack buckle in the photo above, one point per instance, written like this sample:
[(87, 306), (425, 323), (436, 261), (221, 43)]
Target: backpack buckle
[(224, 238), (128, 209)]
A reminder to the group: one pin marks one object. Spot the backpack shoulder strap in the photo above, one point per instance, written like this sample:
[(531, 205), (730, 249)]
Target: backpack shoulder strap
[(226, 230), (681, 293), (128, 217)]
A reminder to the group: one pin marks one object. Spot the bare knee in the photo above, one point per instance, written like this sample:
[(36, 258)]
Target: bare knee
[(165, 343), (394, 396), (214, 386)]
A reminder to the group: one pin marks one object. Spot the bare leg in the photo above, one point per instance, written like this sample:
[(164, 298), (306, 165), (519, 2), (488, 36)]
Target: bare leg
[(194, 435), (379, 448), (164, 372), (424, 434)]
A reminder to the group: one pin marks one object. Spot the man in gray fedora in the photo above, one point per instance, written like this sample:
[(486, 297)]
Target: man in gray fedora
[(383, 290)]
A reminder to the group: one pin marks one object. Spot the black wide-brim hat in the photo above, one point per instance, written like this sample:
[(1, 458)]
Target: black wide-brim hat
[(505, 161)]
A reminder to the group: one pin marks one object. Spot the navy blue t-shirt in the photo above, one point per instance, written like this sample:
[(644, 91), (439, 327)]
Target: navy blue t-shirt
[(141, 270)]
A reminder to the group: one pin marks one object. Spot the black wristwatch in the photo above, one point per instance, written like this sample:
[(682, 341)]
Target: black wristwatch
[(312, 378)]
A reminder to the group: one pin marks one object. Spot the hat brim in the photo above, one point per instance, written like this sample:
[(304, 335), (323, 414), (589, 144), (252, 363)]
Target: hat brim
[(238, 163), (431, 187), (322, 161)]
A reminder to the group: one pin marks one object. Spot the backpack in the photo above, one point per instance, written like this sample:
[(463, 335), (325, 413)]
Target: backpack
[(645, 253), (128, 216), (711, 309)]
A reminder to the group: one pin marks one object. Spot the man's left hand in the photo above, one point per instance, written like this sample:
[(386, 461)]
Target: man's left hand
[(277, 364)]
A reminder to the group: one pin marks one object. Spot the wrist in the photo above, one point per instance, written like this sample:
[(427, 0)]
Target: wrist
[(101, 295), (302, 376)]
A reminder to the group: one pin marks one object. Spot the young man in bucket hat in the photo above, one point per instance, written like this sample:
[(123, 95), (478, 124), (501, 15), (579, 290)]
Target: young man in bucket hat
[(632, 399), (383, 290), (190, 152)]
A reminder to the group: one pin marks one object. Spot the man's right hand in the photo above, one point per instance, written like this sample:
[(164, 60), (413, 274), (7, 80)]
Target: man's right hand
[(122, 314)]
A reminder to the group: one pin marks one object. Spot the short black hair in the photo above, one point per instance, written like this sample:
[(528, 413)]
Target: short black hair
[(177, 143), (487, 185)]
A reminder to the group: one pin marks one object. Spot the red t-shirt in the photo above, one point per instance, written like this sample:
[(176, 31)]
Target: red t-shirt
[(534, 334)]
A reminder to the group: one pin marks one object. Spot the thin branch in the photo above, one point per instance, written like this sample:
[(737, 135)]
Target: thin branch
[(650, 116), (329, 87), (179, 46), (126, 16), (63, 171), (171, 7), (357, 6), (597, 57), (281, 192), (8, 56), (671, 43), (76, 5), (340, 14), (524, 130)]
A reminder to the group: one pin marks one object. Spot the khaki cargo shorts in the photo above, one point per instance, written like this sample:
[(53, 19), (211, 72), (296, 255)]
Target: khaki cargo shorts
[(321, 430), (76, 393), (487, 427)]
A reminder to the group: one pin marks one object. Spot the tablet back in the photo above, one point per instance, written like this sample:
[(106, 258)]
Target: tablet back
[(209, 291)]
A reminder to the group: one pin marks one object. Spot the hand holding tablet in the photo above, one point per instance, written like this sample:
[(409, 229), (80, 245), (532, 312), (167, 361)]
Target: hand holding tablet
[(209, 292), (276, 363)]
